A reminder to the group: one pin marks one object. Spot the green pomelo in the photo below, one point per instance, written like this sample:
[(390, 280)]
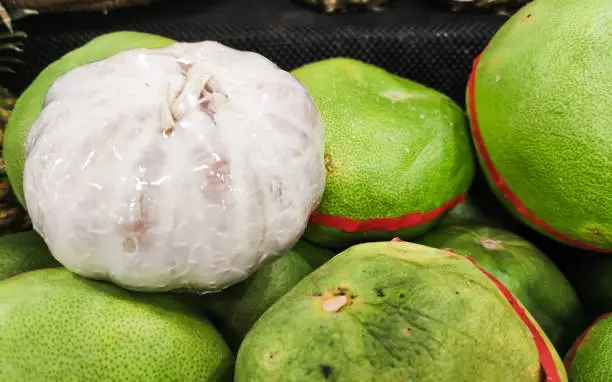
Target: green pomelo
[(531, 276), (589, 359), (56, 326), (592, 279), (392, 311), (237, 308), (30, 104), (22, 252), (393, 148), (542, 97)]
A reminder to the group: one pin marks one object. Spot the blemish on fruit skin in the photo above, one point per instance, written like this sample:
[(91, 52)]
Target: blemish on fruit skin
[(328, 163), (271, 355), (379, 292), (326, 371), (407, 331), (489, 243), (395, 95)]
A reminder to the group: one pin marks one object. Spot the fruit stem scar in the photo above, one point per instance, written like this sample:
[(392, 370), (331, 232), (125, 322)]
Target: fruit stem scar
[(335, 303), (489, 243)]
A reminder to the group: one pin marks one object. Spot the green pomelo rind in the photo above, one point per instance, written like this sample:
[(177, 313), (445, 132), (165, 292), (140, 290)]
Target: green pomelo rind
[(238, 307), (591, 356), (22, 252), (416, 314), (57, 326), (31, 102), (542, 95), (387, 158), (524, 270)]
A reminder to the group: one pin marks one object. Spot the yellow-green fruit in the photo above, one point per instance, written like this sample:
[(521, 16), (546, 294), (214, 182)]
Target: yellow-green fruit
[(57, 326), (30, 104), (397, 311), (398, 154), (22, 252)]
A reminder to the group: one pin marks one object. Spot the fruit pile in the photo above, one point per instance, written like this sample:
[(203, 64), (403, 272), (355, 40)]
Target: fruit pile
[(200, 214)]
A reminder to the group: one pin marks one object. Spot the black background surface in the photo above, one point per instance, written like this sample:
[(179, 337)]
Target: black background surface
[(413, 38)]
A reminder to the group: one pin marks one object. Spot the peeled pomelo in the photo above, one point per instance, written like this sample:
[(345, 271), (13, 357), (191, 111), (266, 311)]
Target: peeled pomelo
[(237, 308), (397, 311), (539, 102), (57, 326), (183, 167), (589, 358), (527, 272), (22, 252), (398, 154)]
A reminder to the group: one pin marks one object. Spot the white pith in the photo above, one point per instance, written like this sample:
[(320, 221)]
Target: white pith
[(182, 167)]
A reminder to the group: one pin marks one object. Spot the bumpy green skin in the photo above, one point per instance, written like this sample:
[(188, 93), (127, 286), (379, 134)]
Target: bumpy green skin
[(591, 362), (543, 96), (393, 146), (414, 314), (23, 252), (527, 273), (31, 102), (56, 326), (593, 281), (237, 308)]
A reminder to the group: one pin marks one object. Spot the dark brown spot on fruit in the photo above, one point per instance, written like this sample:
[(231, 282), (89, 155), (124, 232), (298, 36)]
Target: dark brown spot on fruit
[(271, 355), (326, 371), (595, 232), (407, 331), (401, 295), (528, 16), (328, 163), (317, 294), (168, 132), (379, 292)]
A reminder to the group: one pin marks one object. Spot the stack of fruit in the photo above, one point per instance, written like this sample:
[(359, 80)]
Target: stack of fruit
[(200, 214)]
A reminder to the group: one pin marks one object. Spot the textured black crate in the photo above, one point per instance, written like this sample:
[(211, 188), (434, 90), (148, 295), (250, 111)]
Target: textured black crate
[(413, 38)]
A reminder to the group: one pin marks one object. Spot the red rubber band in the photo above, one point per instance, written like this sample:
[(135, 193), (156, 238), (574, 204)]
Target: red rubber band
[(383, 224), (499, 182), (572, 353), (546, 358)]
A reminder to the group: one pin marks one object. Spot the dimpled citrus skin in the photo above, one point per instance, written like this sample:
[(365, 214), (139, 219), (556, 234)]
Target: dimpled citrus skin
[(22, 252), (393, 147), (56, 326), (527, 272), (543, 96), (414, 313), (31, 102), (591, 362)]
